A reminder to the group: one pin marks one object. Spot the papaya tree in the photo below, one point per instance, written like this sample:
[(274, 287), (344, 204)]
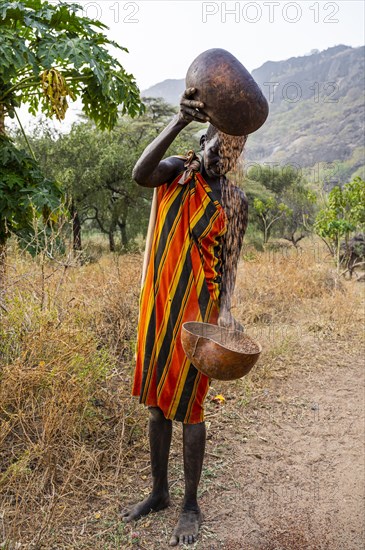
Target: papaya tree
[(48, 55)]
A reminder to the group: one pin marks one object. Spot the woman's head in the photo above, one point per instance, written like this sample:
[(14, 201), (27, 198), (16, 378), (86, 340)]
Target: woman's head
[(221, 151)]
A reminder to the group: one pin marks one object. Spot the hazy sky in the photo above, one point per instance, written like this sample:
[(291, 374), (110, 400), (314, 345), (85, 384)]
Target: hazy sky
[(163, 37)]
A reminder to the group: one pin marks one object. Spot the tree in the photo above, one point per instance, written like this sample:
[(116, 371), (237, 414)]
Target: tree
[(343, 214), (49, 54), (95, 169), (269, 212), (275, 178), (276, 195), (25, 194), (299, 217)]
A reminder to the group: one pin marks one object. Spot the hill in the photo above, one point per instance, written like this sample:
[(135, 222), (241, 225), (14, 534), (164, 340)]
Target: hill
[(316, 112)]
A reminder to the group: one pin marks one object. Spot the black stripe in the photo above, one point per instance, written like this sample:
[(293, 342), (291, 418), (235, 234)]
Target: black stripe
[(200, 228), (186, 394), (173, 215), (147, 352), (177, 305)]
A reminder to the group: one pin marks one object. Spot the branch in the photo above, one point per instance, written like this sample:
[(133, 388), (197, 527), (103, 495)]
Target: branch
[(25, 136), (33, 82), (96, 218), (17, 86), (331, 251), (275, 220), (352, 267)]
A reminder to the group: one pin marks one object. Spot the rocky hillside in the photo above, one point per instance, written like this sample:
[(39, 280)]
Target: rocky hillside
[(316, 112)]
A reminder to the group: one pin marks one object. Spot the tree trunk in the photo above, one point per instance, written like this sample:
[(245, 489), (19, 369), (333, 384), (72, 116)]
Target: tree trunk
[(338, 260), (111, 240), (295, 240), (76, 228), (123, 233)]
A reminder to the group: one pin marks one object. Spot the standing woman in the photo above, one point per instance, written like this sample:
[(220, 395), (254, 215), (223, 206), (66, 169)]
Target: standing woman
[(199, 227)]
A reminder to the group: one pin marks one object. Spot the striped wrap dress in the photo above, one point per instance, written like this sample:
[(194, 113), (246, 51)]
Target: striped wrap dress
[(182, 283)]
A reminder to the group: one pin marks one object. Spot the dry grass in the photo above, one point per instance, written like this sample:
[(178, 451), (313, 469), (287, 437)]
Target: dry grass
[(72, 440), (293, 302), (67, 420)]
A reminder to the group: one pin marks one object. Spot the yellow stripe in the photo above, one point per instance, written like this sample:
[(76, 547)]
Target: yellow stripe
[(162, 329), (175, 330), (166, 207), (184, 373)]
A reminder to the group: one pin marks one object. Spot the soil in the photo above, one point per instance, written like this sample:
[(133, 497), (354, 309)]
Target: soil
[(284, 467), (295, 475)]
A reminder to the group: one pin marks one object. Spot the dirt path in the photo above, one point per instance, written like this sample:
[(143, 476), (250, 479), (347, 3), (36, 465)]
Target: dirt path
[(291, 475), (283, 471), (284, 467)]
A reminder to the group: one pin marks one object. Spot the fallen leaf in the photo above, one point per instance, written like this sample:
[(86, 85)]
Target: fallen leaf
[(219, 399)]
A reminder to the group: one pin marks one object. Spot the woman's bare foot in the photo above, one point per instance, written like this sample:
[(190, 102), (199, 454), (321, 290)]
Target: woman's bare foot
[(150, 504), (187, 528)]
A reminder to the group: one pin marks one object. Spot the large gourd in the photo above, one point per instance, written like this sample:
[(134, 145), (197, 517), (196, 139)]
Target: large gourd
[(232, 98)]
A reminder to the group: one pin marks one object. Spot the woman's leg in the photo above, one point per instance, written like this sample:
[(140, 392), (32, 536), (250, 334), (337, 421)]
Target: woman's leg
[(160, 432)]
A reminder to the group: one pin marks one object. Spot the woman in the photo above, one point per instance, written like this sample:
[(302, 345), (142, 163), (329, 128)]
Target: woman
[(191, 273)]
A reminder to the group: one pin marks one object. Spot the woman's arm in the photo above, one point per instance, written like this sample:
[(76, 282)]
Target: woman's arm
[(236, 209), (150, 170)]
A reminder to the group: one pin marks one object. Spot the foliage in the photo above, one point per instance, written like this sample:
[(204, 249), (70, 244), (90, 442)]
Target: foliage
[(281, 201), (25, 193), (343, 214), (274, 178), (299, 217), (269, 212), (48, 53), (95, 169)]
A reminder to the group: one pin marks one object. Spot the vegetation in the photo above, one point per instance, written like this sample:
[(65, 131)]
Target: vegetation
[(268, 213), (283, 203), (55, 54), (342, 215), (26, 195), (95, 169), (49, 54), (73, 442)]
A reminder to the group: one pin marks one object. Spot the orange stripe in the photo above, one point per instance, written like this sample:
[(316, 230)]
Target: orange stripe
[(160, 289)]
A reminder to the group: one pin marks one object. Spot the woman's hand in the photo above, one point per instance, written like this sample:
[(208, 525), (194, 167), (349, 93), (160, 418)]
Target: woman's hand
[(190, 109), (227, 320)]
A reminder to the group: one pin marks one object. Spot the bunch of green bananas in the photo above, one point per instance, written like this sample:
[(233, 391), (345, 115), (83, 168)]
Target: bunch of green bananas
[(55, 88)]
